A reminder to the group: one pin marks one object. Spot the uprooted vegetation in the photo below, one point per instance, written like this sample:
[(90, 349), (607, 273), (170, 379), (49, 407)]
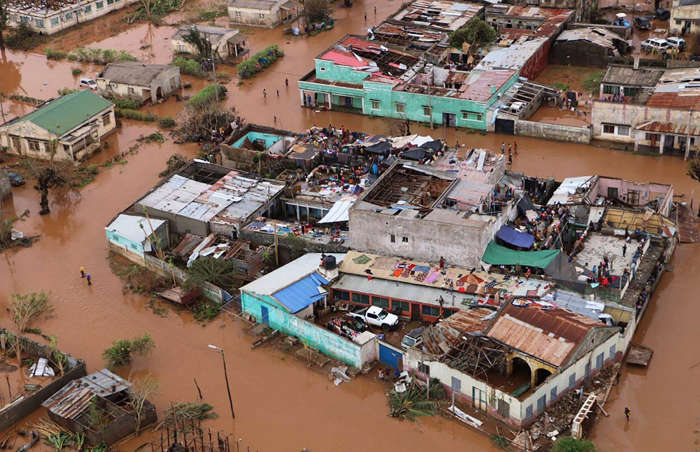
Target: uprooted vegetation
[(183, 413), (121, 352), (204, 114), (414, 402), (154, 10)]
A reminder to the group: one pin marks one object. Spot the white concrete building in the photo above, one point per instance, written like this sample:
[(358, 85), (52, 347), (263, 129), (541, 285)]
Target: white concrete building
[(263, 13), (226, 42), (685, 16), (68, 128), (143, 82), (52, 17)]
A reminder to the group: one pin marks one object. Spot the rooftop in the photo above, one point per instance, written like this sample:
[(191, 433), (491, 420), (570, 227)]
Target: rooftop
[(598, 36), (255, 4), (549, 334), (211, 33), (62, 115), (628, 75), (512, 57), (134, 72), (440, 15), (134, 227), (573, 190), (287, 275)]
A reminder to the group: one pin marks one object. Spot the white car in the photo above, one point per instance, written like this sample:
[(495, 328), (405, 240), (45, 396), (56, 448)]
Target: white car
[(376, 316), (678, 43), (655, 44), (88, 83)]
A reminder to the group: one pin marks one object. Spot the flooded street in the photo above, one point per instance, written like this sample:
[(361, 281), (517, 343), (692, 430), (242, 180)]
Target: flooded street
[(280, 404)]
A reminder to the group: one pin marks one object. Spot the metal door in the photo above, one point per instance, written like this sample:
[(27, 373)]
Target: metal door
[(506, 126), (390, 357), (265, 315)]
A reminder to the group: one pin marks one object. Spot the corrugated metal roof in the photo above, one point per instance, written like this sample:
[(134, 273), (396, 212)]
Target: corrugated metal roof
[(548, 334), (469, 320), (480, 84), (669, 127), (287, 274), (339, 212), (302, 293), (571, 189), (629, 76), (676, 100), (106, 383), (134, 227)]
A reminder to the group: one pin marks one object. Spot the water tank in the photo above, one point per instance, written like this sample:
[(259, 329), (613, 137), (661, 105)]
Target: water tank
[(328, 262)]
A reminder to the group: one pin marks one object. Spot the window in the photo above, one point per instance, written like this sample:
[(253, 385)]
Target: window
[(433, 311), (404, 306), (106, 120), (375, 104), (88, 8), (25, 19), (15, 143), (610, 89), (424, 369), (99, 5), (238, 14), (400, 107), (392, 238), (651, 136), (427, 110), (623, 130), (33, 145), (478, 116), (341, 295), (39, 23), (692, 141), (323, 69), (109, 2), (572, 380), (381, 302), (360, 298), (68, 16), (465, 115), (608, 128), (54, 21), (131, 90), (678, 21), (456, 384), (528, 412), (404, 239), (612, 351), (599, 360)]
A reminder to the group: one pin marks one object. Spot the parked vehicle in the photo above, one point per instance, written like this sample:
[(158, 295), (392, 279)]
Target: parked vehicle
[(678, 43), (413, 338), (663, 14), (642, 23), (376, 316), (88, 83), (16, 179), (654, 44)]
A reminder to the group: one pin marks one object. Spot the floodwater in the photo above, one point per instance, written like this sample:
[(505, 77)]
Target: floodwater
[(280, 404)]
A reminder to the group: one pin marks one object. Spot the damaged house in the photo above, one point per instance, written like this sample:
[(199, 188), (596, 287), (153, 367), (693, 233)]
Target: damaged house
[(68, 128), (588, 46), (263, 13), (225, 42), (139, 81)]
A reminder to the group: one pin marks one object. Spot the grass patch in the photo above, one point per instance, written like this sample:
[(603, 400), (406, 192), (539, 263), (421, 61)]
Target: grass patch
[(131, 104), (155, 137), (561, 86), (258, 62), (212, 12), (166, 123), (64, 91), (22, 98), (128, 113), (56, 54), (207, 95), (591, 84), (90, 55), (188, 66), (23, 38)]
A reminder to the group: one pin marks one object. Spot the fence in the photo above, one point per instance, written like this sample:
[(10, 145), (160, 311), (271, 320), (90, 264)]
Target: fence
[(209, 290), (189, 436), (553, 131)]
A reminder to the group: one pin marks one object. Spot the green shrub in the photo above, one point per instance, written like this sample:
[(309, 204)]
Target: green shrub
[(55, 54), (130, 104), (569, 444), (188, 66), (166, 123), (207, 95), (120, 353), (134, 114), (23, 38), (76, 71), (64, 91), (259, 61), (99, 56)]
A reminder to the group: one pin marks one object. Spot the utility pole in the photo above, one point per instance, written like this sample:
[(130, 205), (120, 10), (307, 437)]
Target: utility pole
[(228, 388)]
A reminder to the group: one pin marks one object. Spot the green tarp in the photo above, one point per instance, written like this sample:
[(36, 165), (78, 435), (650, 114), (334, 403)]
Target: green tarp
[(496, 254)]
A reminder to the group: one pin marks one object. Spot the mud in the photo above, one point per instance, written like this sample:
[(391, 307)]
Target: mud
[(280, 405)]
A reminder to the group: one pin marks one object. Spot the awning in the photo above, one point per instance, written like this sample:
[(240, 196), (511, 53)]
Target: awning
[(382, 148), (496, 254), (515, 238), (339, 212), (416, 154), (302, 293)]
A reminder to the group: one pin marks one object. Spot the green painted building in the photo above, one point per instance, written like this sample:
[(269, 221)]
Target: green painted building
[(368, 77)]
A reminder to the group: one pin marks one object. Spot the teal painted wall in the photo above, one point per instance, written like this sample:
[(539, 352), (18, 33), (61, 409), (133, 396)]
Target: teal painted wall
[(118, 240), (314, 336), (269, 138), (467, 112)]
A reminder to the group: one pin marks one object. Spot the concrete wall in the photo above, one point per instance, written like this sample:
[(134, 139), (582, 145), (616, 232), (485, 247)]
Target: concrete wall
[(460, 244), (54, 21), (168, 81), (261, 18), (310, 335), (680, 15), (553, 131), (647, 191), (630, 115)]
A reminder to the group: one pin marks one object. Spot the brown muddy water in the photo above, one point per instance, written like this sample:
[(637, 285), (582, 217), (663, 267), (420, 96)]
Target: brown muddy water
[(280, 404)]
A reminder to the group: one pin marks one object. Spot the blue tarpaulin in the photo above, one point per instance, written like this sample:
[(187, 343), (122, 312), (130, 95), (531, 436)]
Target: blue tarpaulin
[(302, 293), (515, 238)]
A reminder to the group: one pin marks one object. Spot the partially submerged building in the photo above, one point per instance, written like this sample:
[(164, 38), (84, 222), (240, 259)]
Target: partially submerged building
[(225, 42), (588, 46), (68, 128), (135, 235), (98, 407), (139, 81), (685, 17), (627, 82), (664, 122), (263, 13), (51, 17)]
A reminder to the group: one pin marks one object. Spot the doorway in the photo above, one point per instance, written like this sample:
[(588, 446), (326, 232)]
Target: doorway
[(449, 119)]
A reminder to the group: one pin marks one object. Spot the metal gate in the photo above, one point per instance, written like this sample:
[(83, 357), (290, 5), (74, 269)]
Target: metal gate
[(390, 356), (505, 126), (264, 313)]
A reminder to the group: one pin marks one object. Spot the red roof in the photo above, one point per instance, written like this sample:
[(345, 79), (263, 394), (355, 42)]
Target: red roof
[(344, 58), (669, 127), (674, 100), (479, 90)]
